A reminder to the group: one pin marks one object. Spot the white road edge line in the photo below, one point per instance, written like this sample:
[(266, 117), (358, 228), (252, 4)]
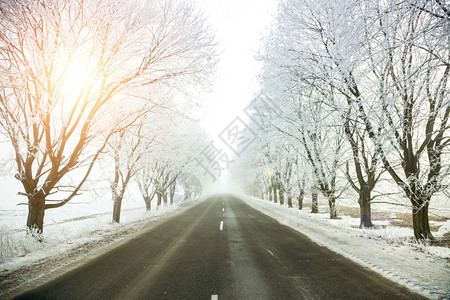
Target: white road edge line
[(214, 297), (221, 225)]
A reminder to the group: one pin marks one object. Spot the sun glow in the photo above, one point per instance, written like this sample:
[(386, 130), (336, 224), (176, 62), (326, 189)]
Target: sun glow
[(80, 79)]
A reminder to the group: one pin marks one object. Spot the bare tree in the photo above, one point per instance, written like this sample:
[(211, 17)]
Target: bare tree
[(65, 65), (191, 185), (388, 70), (414, 105), (144, 179), (128, 148), (407, 117), (324, 158), (177, 140)]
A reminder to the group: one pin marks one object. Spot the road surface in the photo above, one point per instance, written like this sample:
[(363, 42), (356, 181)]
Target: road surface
[(220, 249)]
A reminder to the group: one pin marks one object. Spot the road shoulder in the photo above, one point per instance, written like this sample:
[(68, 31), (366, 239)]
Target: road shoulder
[(420, 272), (27, 273)]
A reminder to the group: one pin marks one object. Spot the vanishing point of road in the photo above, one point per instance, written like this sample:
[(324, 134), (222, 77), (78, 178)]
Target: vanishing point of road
[(220, 248)]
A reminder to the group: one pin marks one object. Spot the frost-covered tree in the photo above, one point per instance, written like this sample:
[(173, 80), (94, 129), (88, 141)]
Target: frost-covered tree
[(259, 170), (177, 140), (412, 52), (329, 53), (65, 65), (127, 149), (396, 79), (192, 186), (305, 117), (323, 144), (382, 69)]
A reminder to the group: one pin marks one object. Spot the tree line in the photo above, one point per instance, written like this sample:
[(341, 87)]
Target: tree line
[(84, 82), (361, 90)]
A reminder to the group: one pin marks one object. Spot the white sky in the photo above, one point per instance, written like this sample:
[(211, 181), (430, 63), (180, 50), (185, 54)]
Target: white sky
[(239, 26)]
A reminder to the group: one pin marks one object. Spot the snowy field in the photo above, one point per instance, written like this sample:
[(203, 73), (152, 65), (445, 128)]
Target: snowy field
[(81, 229), (71, 224), (386, 249), (74, 231)]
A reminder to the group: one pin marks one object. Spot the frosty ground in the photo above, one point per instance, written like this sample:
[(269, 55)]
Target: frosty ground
[(71, 233), (386, 249), (75, 233)]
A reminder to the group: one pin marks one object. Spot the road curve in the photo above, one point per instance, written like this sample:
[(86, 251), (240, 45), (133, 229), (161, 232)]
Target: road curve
[(220, 249)]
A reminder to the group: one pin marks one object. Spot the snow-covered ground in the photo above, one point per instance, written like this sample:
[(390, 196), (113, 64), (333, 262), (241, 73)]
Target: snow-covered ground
[(71, 232), (386, 249), (82, 229)]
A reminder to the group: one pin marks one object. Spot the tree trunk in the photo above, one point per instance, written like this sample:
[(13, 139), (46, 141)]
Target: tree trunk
[(364, 208), (300, 197), (333, 208), (281, 191), (270, 194), (36, 211), (187, 192), (117, 208), (275, 194), (314, 202), (164, 196), (158, 204), (421, 224), (148, 203), (289, 200), (172, 192)]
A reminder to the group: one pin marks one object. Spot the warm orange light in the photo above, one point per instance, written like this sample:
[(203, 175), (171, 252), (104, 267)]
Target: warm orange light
[(76, 77), (80, 79)]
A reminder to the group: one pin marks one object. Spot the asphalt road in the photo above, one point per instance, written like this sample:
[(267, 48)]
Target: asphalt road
[(220, 249)]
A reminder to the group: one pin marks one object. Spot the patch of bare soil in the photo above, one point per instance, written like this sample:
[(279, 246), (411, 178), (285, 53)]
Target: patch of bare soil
[(396, 218), (401, 219)]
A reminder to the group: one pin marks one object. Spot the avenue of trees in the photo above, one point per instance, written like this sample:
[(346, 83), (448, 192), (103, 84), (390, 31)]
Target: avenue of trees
[(362, 95), (153, 155), (86, 81)]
